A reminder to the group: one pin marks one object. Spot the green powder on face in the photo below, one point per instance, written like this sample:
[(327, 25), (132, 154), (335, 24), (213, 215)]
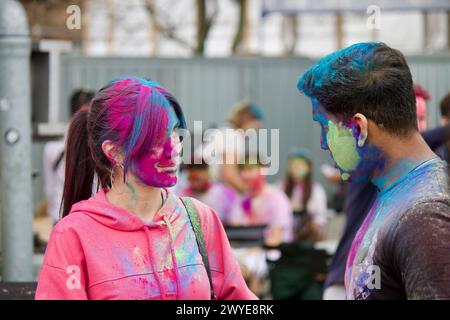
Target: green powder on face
[(342, 145)]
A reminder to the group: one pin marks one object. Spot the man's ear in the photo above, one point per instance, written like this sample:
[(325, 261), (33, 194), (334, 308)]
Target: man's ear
[(112, 152), (362, 125)]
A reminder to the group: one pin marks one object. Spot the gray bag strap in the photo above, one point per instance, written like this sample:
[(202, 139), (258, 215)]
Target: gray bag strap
[(194, 218)]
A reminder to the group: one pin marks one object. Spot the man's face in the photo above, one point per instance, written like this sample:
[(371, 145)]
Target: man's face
[(421, 111), (253, 177), (199, 180), (341, 139), (251, 123)]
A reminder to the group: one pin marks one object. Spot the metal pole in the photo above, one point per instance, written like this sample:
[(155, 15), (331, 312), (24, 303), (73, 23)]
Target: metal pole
[(15, 143)]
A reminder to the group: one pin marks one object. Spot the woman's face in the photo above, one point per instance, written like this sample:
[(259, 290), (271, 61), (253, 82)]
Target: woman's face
[(159, 167), (298, 169)]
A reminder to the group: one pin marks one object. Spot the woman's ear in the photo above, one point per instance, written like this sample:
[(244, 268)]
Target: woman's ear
[(112, 152), (362, 125)]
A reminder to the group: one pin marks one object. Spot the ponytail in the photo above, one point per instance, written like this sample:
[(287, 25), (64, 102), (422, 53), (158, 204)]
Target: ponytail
[(80, 166)]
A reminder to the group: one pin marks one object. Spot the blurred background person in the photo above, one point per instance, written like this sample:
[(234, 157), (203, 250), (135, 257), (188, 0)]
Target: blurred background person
[(438, 137), (262, 204), (201, 186), (228, 144), (443, 151), (54, 162), (308, 198), (422, 98)]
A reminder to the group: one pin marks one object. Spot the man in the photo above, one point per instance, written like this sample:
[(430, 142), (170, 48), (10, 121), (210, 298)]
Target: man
[(263, 204), (359, 198), (215, 194), (444, 150), (224, 148), (364, 100)]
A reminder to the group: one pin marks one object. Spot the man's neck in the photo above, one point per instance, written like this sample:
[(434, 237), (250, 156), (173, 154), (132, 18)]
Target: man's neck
[(258, 191), (401, 157)]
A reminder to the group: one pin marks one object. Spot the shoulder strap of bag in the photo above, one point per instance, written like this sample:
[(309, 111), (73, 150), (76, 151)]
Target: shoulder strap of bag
[(197, 227)]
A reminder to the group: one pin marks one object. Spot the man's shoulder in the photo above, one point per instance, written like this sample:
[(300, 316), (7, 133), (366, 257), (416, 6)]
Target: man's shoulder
[(273, 190), (421, 218), (438, 207), (427, 185)]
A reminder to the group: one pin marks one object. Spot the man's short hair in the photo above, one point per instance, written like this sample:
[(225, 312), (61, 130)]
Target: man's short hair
[(369, 78), (244, 109), (445, 106), (253, 159)]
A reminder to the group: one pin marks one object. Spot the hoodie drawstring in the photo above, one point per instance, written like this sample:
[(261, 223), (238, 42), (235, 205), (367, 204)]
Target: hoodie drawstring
[(155, 270), (174, 259)]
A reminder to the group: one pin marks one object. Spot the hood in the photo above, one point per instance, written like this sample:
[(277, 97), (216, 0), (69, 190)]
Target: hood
[(101, 210)]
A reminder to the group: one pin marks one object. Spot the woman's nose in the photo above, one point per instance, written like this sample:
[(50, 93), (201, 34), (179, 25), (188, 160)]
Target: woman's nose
[(172, 149)]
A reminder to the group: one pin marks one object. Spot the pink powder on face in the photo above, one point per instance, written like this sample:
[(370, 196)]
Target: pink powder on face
[(158, 168)]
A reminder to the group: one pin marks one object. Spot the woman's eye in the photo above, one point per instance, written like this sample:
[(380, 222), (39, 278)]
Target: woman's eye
[(176, 134)]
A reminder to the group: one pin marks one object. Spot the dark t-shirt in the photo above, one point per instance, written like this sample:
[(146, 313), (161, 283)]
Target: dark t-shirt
[(402, 250)]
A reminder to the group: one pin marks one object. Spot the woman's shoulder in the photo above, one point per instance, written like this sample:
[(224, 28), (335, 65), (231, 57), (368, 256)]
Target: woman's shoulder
[(206, 214), (73, 222)]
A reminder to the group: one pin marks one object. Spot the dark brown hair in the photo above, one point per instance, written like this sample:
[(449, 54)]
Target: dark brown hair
[(445, 106), (307, 182)]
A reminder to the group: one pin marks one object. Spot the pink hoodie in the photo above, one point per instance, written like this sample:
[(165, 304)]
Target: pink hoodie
[(101, 251)]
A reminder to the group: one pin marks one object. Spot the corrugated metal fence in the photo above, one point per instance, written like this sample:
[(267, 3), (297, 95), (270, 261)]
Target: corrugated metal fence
[(207, 88)]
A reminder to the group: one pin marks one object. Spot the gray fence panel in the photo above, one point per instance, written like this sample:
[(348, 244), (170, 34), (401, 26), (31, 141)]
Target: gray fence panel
[(207, 88)]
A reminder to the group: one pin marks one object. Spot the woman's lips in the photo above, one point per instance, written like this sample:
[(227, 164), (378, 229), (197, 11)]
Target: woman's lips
[(167, 168)]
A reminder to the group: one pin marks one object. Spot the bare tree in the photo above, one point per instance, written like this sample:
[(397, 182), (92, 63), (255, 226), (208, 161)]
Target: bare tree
[(289, 34), (204, 23), (239, 45), (110, 13), (448, 30), (161, 23)]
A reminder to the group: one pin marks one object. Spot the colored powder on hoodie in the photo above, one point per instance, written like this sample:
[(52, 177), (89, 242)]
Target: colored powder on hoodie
[(101, 251)]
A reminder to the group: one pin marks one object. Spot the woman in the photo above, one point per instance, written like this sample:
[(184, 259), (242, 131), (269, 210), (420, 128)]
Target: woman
[(308, 198), (134, 239)]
